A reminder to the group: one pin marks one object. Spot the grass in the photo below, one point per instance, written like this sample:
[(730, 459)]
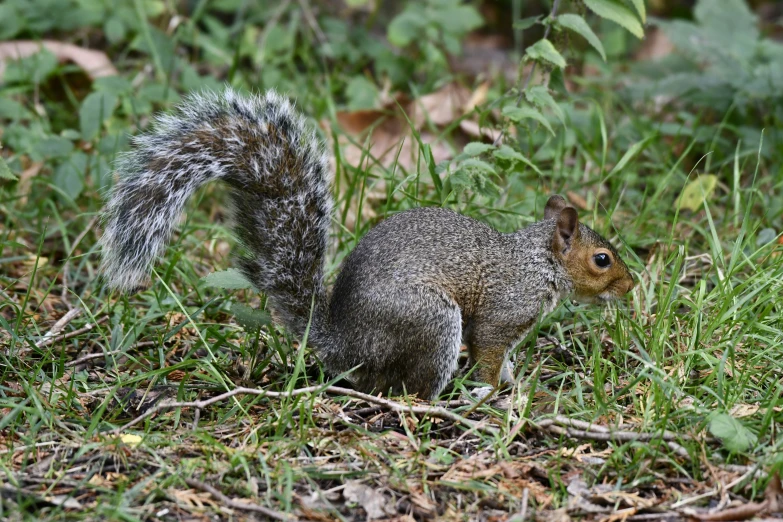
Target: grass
[(694, 351)]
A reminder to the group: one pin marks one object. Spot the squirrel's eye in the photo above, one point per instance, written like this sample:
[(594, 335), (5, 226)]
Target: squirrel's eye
[(602, 260)]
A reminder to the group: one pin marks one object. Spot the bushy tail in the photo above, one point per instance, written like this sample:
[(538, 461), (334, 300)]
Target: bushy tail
[(278, 174)]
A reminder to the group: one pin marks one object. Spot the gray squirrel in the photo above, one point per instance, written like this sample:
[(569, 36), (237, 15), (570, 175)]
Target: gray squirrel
[(417, 285)]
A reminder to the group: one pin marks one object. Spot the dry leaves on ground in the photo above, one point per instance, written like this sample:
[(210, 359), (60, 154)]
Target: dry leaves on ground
[(381, 139)]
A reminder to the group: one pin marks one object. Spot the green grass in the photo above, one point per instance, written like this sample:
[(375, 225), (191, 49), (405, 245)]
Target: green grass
[(695, 350)]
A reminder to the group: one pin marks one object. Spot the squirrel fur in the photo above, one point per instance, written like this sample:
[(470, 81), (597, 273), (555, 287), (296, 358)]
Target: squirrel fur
[(417, 285)]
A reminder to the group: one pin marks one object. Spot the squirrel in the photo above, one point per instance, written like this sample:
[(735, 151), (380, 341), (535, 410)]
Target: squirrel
[(415, 287)]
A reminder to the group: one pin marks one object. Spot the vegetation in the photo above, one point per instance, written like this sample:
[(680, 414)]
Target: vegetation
[(667, 402)]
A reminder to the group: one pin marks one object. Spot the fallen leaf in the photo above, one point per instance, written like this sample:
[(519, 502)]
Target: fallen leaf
[(697, 192), (371, 500), (95, 64), (130, 439), (744, 410)]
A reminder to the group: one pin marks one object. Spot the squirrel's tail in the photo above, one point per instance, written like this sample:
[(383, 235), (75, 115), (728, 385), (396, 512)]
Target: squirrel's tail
[(278, 173)]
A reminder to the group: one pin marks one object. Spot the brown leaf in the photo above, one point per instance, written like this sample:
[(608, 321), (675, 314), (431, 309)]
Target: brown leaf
[(94, 63)]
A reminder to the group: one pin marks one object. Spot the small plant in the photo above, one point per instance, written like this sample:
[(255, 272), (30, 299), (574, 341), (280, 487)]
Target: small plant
[(531, 109), (722, 68)]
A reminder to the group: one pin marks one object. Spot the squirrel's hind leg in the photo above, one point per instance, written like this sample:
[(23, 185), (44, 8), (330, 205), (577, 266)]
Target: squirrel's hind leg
[(412, 346)]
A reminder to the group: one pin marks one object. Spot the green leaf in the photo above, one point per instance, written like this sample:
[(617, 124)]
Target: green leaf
[(630, 154), (719, 18), (478, 165), (639, 6), (477, 148), (460, 19), (526, 23), (114, 29), (475, 174), (518, 114), (5, 172), (540, 97), (404, 28), (69, 176), (697, 192), (544, 50), (11, 23), (13, 110), (361, 93), (734, 435), (54, 147), (96, 108), (250, 318), (508, 154), (231, 279), (578, 25), (617, 13)]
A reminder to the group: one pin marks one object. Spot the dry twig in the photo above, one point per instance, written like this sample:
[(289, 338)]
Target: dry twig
[(573, 428), (237, 504), (86, 328), (432, 411), (57, 327), (91, 356)]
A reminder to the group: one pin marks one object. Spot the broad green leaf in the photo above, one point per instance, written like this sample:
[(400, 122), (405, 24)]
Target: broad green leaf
[(734, 435), (460, 19), (526, 23), (5, 172), (639, 6), (250, 318), (478, 165), (617, 13), (231, 279), (477, 148), (11, 23), (404, 28), (475, 173), (69, 175), (507, 153), (518, 114), (629, 155), (544, 50), (765, 236), (697, 192), (12, 109), (114, 29), (54, 147), (361, 93), (578, 25), (96, 108), (540, 97)]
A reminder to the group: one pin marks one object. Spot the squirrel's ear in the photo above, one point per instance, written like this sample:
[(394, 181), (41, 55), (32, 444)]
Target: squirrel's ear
[(554, 206), (567, 229)]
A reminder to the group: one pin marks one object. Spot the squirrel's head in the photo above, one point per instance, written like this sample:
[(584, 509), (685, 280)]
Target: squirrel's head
[(597, 272)]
